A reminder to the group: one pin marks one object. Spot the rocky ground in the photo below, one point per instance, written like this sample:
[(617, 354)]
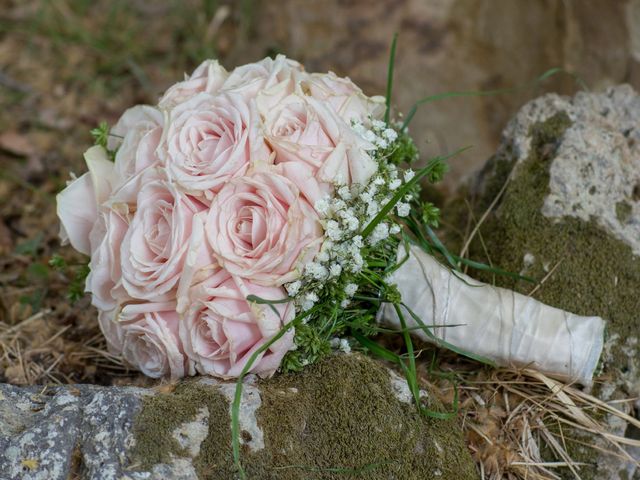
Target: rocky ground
[(346, 410)]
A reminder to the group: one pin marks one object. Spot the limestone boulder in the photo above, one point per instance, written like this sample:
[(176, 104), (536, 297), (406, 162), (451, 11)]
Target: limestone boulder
[(562, 204), (347, 415)]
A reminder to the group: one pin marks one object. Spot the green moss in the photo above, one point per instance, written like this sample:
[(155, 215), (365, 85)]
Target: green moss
[(345, 416), (623, 211), (336, 419), (594, 273), (163, 413)]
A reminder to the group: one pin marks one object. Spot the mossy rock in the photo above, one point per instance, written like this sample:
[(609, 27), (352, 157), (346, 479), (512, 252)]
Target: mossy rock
[(563, 195), (345, 417)]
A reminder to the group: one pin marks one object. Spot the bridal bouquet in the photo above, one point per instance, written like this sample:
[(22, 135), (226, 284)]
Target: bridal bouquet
[(260, 218)]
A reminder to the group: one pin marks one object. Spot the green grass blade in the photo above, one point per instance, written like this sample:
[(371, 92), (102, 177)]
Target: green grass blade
[(235, 406), (390, 68), (447, 345), (376, 349), (441, 96)]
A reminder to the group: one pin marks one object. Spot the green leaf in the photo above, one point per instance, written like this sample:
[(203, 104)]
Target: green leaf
[(447, 345), (390, 68), (100, 134), (57, 262), (376, 348)]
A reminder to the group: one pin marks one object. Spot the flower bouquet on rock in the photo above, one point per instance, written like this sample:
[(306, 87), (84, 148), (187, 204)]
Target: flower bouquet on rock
[(258, 219)]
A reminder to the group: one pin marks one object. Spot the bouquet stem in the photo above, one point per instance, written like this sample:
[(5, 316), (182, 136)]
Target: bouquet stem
[(501, 325)]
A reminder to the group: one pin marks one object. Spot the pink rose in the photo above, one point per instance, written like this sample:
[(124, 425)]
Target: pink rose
[(279, 75), (303, 130), (344, 97), (208, 77), (136, 137), (111, 330), (211, 140), (260, 228), (150, 340), (77, 204), (222, 330), (105, 275), (164, 237)]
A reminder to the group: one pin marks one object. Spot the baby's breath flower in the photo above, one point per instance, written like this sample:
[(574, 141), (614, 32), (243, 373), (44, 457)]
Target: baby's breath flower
[(359, 128), (293, 288), (335, 270), (369, 136), (344, 193), (403, 209), (409, 174), (395, 228), (390, 134), (373, 208), (353, 223), (394, 184), (350, 289), (366, 196), (379, 181), (381, 143), (345, 303), (344, 345), (378, 124), (379, 233), (309, 301), (333, 230), (322, 256), (357, 262), (316, 270), (322, 206)]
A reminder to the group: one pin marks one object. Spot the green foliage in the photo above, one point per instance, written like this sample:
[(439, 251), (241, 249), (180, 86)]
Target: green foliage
[(76, 287), (404, 150), (77, 273), (392, 62), (311, 346), (100, 136), (430, 214), (31, 246), (434, 170), (57, 262)]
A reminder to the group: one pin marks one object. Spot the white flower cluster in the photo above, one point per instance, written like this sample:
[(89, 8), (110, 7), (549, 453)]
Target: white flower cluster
[(379, 135), (344, 216)]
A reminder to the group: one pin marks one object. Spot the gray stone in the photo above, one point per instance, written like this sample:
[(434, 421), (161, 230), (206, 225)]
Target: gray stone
[(595, 172), (564, 192), (48, 432), (173, 432)]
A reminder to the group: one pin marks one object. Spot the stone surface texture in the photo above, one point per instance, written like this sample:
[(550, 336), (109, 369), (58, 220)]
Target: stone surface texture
[(98, 433), (563, 200), (595, 172)]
